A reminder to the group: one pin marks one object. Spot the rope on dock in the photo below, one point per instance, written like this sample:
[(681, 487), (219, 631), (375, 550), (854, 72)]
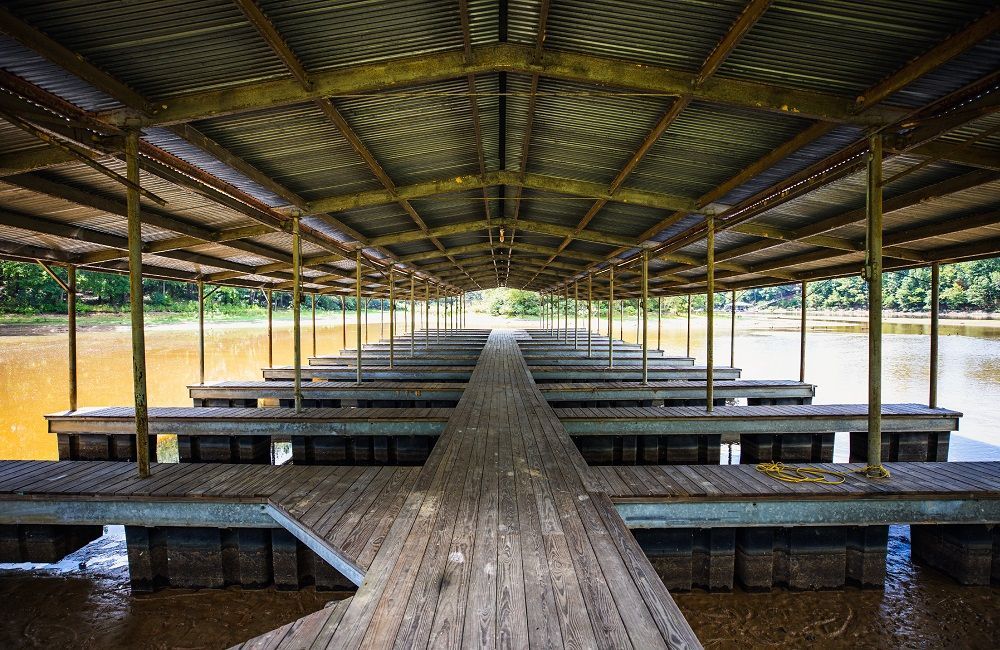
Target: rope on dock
[(789, 474)]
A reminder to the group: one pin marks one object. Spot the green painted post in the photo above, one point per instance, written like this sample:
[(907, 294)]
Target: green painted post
[(873, 273), (710, 314), (135, 302)]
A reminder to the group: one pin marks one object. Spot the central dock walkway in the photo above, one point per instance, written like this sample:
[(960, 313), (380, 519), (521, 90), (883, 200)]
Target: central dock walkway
[(501, 543)]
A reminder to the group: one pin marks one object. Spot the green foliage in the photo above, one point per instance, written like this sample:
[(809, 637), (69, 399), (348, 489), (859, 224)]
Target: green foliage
[(968, 286), (510, 303)]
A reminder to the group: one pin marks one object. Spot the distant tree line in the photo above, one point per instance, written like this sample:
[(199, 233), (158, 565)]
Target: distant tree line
[(966, 286), (28, 289)]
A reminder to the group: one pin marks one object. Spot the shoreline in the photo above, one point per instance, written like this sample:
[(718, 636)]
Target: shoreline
[(52, 324)]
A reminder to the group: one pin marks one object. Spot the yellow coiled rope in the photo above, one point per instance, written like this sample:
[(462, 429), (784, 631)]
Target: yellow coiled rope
[(788, 474)]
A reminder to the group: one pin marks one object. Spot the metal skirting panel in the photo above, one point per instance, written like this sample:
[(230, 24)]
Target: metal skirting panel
[(802, 512)]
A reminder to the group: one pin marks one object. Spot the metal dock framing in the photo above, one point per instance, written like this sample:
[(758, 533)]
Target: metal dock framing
[(505, 536)]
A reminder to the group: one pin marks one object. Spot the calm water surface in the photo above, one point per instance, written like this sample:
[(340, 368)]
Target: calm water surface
[(33, 368), (919, 607)]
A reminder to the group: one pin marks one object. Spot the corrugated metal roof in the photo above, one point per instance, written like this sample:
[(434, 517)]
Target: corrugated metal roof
[(330, 34), (159, 47), (679, 34), (425, 132), (843, 47), (297, 146)]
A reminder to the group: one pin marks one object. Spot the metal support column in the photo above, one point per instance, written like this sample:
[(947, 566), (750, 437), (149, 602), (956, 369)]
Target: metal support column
[(201, 332), (873, 274), (611, 315), (413, 313), (659, 323), (802, 333), (343, 323), (392, 315), (270, 328), (381, 319), (135, 302), (576, 315), (688, 353), (566, 313), (437, 310), (645, 317), (621, 320), (590, 309), (427, 315), (71, 315), (313, 305), (710, 313), (935, 307), (732, 330), (297, 310), (357, 309)]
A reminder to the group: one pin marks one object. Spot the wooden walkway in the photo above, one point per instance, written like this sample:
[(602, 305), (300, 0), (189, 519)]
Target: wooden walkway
[(500, 543), (504, 537), (701, 483)]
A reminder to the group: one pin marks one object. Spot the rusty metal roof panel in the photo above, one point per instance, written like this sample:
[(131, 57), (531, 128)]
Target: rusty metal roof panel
[(709, 144), (377, 220), (521, 20), (177, 146), (158, 47), (296, 146), (626, 220), (842, 47), (820, 148), (32, 67), (679, 34), (424, 133), (588, 134), (327, 34), (976, 63)]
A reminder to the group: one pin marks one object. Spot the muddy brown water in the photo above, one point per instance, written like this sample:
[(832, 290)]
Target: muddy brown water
[(93, 607)]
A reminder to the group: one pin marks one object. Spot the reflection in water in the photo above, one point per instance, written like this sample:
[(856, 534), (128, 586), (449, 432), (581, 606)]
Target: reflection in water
[(918, 608), (33, 370), (84, 601)]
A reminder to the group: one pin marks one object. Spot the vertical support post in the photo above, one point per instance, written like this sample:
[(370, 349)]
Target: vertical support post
[(873, 273), (688, 353), (270, 328), (343, 323), (732, 330), (621, 320), (427, 315), (638, 320), (297, 310), (710, 314), (71, 315), (576, 315), (566, 313), (201, 332), (590, 309), (313, 305), (357, 308), (381, 318), (611, 315), (802, 333), (392, 315), (413, 313), (437, 309), (135, 303), (935, 325), (659, 323), (645, 316)]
